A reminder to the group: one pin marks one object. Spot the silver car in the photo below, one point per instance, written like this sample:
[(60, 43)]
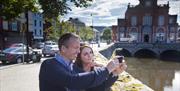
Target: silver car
[(50, 50)]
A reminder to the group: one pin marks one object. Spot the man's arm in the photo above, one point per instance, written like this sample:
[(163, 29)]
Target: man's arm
[(58, 75)]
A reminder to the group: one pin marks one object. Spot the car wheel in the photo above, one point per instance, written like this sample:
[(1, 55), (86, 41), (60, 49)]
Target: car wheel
[(4, 62), (19, 60)]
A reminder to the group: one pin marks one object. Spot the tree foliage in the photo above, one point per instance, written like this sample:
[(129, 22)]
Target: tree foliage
[(12, 8), (107, 35), (51, 8), (54, 8), (54, 32), (86, 33)]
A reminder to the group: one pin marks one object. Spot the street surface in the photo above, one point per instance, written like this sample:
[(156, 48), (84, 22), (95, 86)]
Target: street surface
[(25, 77), (20, 77)]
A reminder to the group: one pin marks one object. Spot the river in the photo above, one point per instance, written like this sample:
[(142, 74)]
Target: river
[(158, 75)]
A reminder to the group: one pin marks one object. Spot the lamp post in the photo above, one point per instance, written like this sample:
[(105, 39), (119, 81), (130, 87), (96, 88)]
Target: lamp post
[(27, 35), (92, 30)]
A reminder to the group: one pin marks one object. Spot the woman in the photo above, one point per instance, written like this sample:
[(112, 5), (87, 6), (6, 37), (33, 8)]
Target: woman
[(85, 62)]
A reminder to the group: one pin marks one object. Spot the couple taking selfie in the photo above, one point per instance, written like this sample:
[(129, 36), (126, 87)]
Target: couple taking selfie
[(73, 68)]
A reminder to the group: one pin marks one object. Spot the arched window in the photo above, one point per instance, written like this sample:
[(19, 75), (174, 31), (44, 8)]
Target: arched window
[(134, 30), (160, 35)]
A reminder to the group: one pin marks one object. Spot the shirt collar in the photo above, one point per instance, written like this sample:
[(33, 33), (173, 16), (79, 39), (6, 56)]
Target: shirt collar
[(60, 59)]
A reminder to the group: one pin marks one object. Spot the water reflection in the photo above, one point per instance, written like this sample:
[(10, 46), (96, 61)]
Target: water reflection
[(159, 75)]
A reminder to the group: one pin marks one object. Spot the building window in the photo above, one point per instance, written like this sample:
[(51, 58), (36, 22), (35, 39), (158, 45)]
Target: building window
[(14, 26), (133, 21), (35, 22), (5, 25), (134, 30), (35, 32), (147, 20), (40, 31), (161, 20), (170, 21), (40, 23)]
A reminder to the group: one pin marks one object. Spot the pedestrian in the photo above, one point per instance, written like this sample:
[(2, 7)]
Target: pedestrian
[(57, 74)]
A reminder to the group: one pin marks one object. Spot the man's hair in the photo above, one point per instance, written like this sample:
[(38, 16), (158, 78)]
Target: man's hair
[(65, 38)]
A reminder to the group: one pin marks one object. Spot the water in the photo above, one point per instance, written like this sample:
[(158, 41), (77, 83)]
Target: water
[(158, 75)]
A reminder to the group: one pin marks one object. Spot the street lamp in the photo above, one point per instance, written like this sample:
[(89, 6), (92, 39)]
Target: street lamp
[(97, 34), (92, 30)]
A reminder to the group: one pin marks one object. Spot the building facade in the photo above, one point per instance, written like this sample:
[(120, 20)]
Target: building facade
[(12, 31), (36, 26), (147, 22)]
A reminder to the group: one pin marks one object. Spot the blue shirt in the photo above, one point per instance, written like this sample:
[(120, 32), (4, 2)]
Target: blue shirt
[(67, 64)]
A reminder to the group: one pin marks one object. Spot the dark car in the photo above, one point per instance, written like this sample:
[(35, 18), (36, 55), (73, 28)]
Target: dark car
[(15, 55)]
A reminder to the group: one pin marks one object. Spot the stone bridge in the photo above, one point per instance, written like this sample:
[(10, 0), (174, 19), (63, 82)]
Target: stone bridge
[(153, 49), (157, 49)]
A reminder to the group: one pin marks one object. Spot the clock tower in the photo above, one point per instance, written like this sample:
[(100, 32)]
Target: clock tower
[(148, 3)]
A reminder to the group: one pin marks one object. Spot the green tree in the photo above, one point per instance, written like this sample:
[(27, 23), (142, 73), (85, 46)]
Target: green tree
[(86, 33), (107, 35), (54, 8), (51, 8), (12, 8), (54, 32)]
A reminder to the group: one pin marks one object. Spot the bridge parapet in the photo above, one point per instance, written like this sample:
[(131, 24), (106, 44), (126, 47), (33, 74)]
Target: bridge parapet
[(149, 45), (157, 48), (167, 46)]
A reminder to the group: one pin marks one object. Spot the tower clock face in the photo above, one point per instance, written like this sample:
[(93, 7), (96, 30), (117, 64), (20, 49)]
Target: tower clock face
[(148, 3)]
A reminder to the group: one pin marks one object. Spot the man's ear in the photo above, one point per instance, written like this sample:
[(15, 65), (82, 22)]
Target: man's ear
[(63, 48)]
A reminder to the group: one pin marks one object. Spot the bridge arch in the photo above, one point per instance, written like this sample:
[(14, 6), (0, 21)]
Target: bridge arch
[(170, 55), (123, 51), (145, 53)]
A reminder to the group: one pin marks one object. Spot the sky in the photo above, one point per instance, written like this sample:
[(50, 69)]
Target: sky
[(106, 12)]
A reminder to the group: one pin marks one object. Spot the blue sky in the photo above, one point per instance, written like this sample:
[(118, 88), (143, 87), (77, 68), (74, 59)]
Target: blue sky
[(106, 12)]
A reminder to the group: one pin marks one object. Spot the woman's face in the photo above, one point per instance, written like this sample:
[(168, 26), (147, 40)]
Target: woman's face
[(87, 55)]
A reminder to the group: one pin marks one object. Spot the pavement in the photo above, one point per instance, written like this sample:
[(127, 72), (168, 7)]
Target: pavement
[(20, 77)]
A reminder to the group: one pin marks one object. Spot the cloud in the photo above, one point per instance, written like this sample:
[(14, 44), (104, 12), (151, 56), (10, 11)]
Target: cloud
[(106, 12)]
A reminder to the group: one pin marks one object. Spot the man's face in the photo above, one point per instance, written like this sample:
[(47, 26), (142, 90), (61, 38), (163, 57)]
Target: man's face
[(72, 50)]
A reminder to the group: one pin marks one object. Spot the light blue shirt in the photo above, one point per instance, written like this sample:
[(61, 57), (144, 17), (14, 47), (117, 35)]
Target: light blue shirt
[(61, 60)]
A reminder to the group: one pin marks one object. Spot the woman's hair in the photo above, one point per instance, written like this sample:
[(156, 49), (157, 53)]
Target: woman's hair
[(78, 61)]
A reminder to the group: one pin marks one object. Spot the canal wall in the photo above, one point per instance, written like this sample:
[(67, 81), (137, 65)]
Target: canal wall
[(125, 82)]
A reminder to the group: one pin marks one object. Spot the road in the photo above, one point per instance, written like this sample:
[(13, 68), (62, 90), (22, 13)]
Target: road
[(20, 77)]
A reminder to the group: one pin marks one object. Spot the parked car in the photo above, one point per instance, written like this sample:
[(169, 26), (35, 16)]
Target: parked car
[(17, 45), (38, 45), (50, 50), (47, 43), (15, 55)]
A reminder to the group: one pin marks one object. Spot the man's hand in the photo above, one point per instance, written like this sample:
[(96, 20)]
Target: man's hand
[(120, 69)]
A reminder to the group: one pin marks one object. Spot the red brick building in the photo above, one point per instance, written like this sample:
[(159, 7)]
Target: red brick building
[(147, 22)]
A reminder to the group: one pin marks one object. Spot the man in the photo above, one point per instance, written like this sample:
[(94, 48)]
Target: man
[(57, 74)]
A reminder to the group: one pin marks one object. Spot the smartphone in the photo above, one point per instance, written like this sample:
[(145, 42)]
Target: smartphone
[(121, 58)]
